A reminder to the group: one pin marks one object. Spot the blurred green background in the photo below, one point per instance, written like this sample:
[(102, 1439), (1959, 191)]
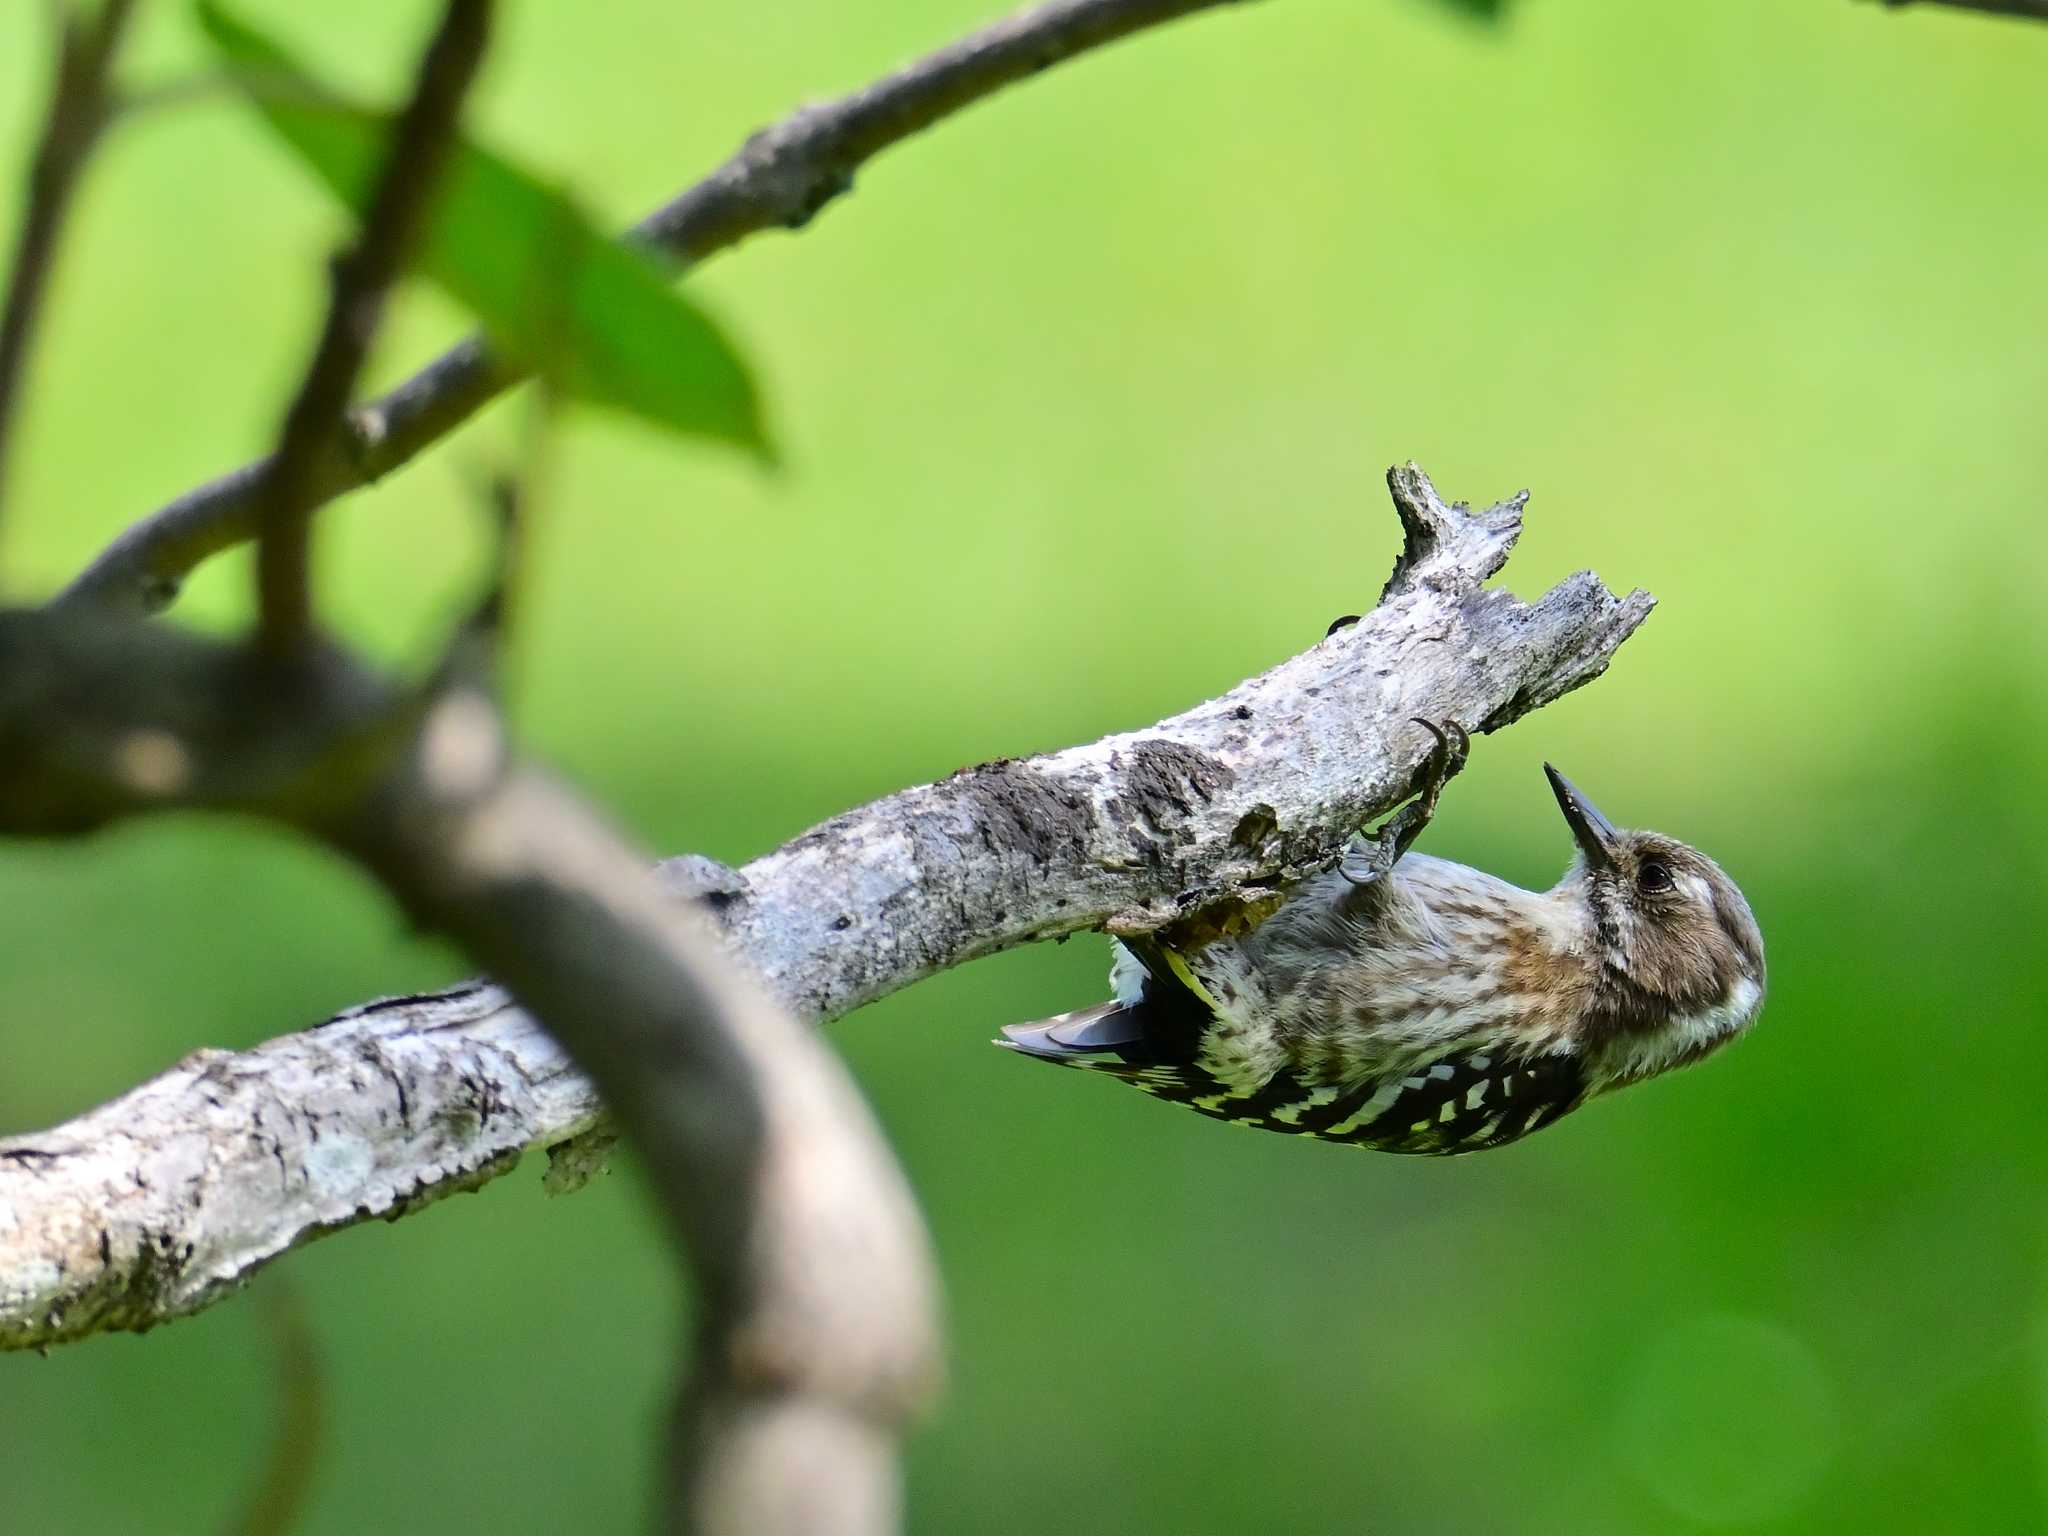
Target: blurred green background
[(1086, 398)]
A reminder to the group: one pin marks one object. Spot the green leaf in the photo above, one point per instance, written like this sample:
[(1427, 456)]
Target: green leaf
[(598, 318)]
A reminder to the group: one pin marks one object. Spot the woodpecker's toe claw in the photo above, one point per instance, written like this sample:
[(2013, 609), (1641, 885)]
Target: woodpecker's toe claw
[(1447, 758), (1382, 850), (1364, 861)]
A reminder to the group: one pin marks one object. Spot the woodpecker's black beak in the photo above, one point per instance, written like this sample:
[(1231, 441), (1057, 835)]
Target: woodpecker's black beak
[(1595, 832)]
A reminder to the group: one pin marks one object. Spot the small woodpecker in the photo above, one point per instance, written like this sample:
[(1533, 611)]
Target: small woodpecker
[(1410, 1004)]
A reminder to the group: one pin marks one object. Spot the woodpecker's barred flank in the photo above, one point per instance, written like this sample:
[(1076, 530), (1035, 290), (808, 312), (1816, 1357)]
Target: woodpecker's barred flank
[(1410, 1004)]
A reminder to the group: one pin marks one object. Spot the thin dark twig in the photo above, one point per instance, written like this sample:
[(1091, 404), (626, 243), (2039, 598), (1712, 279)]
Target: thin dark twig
[(478, 652), (2036, 10), (288, 493), (780, 178), (517, 495), (284, 1485), (78, 109)]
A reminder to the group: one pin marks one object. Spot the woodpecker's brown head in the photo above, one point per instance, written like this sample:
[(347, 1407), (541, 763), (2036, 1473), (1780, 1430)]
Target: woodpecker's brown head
[(1676, 960)]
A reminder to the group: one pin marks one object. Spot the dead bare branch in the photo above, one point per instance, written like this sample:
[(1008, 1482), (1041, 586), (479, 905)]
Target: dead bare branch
[(435, 1094)]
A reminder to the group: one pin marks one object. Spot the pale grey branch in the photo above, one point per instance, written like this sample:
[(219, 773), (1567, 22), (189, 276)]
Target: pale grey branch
[(163, 1201)]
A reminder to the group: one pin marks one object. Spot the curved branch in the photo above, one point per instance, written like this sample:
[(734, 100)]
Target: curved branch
[(814, 1291), (165, 1200), (779, 178)]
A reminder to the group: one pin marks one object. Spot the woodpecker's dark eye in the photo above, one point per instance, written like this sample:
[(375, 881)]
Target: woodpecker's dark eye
[(1654, 876)]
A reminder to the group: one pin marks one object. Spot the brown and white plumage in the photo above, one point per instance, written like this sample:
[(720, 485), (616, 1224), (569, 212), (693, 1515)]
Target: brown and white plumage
[(1411, 1004)]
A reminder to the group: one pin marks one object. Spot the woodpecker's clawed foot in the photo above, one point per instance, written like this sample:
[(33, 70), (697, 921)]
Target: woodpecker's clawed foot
[(1446, 759), (1377, 852)]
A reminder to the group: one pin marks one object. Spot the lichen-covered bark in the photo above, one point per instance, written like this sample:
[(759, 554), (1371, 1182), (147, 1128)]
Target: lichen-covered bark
[(153, 1205), (156, 1204), (1230, 798)]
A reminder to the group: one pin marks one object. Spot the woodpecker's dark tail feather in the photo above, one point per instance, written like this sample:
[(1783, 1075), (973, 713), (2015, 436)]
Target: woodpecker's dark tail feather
[(1081, 1033), (1163, 1025)]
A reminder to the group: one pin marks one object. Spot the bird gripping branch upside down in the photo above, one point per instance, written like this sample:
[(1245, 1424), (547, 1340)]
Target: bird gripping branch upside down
[(1410, 1004)]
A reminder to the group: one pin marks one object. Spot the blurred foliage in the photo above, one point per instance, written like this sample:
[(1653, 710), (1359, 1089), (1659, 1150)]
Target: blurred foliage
[(1086, 396), (553, 292)]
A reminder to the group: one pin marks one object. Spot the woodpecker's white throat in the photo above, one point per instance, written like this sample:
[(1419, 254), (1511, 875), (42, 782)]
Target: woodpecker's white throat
[(1415, 1005)]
